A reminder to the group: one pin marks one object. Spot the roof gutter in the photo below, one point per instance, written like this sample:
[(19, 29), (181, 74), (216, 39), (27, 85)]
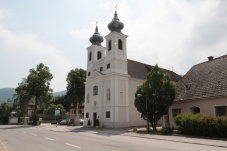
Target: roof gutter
[(201, 98)]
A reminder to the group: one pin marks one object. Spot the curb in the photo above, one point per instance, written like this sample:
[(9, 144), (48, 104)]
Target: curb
[(187, 142)]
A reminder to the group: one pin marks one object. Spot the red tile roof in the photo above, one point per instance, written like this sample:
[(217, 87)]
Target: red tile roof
[(140, 70), (207, 79)]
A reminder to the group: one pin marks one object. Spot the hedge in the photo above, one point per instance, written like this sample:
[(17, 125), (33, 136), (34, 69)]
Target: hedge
[(202, 125)]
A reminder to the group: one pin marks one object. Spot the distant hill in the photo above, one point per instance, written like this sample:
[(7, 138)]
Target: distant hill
[(55, 94), (7, 93)]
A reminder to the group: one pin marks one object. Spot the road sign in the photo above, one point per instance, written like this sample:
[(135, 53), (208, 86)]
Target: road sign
[(57, 112)]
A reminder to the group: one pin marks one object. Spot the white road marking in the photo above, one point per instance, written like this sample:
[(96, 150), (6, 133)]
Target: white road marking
[(34, 135), (1, 143), (49, 138), (23, 132), (73, 145)]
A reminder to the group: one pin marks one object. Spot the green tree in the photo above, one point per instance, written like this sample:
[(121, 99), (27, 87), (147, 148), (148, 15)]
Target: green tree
[(154, 96), (37, 86), (50, 110), (4, 113), (62, 100), (76, 86)]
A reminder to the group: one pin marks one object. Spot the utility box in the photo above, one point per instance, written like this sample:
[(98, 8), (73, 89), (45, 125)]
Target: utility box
[(13, 120), (26, 119)]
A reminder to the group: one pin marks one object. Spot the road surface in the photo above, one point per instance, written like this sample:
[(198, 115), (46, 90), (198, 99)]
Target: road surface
[(29, 138)]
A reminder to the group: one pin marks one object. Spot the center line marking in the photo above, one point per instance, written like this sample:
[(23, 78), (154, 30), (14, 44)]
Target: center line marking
[(73, 145), (49, 138)]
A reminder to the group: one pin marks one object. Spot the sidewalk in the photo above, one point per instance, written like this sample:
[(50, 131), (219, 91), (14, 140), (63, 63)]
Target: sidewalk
[(125, 132)]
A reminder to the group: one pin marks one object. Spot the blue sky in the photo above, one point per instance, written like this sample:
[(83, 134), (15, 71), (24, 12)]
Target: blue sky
[(173, 34)]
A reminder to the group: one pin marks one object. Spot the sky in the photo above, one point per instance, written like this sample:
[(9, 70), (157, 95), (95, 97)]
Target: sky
[(175, 34)]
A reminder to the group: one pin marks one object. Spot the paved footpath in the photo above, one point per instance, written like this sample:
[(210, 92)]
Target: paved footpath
[(125, 132)]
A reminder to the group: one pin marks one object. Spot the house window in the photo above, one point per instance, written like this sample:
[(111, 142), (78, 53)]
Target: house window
[(95, 90), (99, 55), (120, 44), (87, 115), (88, 98), (90, 56), (101, 68), (221, 110), (95, 103), (107, 114), (109, 45), (89, 73), (108, 66), (175, 112), (108, 94), (194, 110)]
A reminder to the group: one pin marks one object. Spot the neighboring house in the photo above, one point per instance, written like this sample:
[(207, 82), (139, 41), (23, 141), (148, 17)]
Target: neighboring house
[(203, 89), (112, 80), (80, 109)]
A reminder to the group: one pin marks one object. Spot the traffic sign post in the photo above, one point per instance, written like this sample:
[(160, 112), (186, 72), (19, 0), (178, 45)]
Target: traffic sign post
[(57, 113)]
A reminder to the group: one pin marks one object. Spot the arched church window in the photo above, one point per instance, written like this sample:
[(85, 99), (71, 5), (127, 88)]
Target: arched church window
[(109, 45), (99, 55), (120, 44), (95, 90), (108, 94), (90, 55), (88, 98)]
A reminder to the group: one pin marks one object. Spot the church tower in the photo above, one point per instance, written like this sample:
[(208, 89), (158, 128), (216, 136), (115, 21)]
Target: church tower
[(95, 53), (116, 50), (106, 90)]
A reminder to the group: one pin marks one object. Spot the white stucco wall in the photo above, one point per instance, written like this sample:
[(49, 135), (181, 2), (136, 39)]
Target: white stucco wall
[(134, 116), (206, 105)]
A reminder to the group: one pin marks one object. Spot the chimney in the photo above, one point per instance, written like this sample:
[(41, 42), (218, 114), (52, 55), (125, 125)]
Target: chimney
[(210, 58)]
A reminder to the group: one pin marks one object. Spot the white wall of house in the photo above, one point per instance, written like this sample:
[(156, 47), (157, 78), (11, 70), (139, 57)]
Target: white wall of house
[(134, 115), (206, 105)]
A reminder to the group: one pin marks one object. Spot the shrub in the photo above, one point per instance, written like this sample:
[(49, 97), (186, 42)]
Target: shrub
[(202, 125), (134, 129), (53, 123), (89, 122), (97, 122), (166, 130)]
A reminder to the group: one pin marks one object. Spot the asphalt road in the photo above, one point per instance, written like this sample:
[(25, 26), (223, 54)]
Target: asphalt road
[(27, 138)]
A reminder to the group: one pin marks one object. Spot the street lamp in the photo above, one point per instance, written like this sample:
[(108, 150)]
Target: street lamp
[(148, 127), (57, 113)]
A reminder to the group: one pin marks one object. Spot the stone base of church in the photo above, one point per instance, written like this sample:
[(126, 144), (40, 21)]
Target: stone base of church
[(126, 124), (122, 124), (114, 124)]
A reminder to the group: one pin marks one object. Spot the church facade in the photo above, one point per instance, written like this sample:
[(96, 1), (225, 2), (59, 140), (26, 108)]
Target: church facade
[(112, 80)]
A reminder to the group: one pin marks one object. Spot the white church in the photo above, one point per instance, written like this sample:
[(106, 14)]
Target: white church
[(112, 80)]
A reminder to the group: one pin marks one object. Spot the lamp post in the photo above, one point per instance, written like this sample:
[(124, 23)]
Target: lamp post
[(57, 113), (148, 127)]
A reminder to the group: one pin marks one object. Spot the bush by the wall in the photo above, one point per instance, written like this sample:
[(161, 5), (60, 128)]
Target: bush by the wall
[(202, 125), (166, 130)]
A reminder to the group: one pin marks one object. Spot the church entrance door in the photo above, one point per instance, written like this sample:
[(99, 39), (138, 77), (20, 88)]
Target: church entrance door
[(94, 118)]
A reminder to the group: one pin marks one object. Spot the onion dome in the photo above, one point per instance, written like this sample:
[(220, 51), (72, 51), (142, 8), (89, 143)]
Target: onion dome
[(115, 24), (96, 38)]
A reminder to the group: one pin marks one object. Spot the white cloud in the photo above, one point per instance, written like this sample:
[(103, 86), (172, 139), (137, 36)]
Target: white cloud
[(105, 4), (23, 51), (87, 32), (172, 34), (4, 13)]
